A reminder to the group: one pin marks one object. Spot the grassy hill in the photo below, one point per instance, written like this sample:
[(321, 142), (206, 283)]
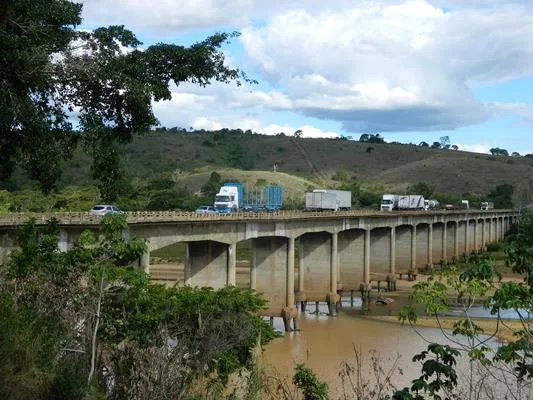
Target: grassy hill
[(300, 162), (390, 166)]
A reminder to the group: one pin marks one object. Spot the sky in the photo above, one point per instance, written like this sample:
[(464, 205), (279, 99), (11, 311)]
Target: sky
[(410, 70)]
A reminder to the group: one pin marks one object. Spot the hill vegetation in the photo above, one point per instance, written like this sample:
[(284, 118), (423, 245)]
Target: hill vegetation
[(167, 170)]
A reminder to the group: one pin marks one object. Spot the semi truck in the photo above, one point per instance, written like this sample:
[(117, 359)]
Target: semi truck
[(233, 197), (411, 202), (328, 199), (391, 202), (486, 205)]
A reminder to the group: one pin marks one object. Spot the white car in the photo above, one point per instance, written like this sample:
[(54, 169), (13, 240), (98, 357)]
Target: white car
[(103, 209), (210, 210)]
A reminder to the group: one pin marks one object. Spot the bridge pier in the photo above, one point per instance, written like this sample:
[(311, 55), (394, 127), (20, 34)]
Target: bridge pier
[(318, 268), (206, 264), (351, 260), (403, 239), (144, 261), (272, 265)]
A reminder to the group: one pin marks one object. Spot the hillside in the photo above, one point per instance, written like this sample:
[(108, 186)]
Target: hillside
[(191, 157)]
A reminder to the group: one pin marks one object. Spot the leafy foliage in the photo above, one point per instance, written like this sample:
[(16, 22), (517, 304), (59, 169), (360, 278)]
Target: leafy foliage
[(502, 196), (309, 384), (50, 69), (478, 281), (71, 320), (422, 188), (371, 138)]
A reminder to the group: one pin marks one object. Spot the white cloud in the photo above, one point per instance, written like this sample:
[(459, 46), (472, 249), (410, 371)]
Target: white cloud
[(475, 148), (381, 67), (308, 131)]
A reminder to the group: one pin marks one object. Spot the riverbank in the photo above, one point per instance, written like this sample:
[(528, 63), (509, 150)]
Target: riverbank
[(502, 329)]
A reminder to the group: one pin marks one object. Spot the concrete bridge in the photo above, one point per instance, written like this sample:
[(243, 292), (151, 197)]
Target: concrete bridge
[(300, 257)]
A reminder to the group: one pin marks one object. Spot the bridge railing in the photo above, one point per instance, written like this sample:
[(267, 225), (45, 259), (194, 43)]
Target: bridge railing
[(85, 218)]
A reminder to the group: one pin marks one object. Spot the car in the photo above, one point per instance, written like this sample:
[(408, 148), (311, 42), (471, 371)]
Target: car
[(103, 209), (209, 210)]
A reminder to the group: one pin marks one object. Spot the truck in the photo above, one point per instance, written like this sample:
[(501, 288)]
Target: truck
[(389, 202), (463, 205), (411, 202), (431, 204), (328, 199), (233, 197), (486, 205)]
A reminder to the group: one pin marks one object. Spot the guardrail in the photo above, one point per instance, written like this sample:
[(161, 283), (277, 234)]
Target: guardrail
[(85, 218)]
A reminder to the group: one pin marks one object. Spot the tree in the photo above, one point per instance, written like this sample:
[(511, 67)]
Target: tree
[(371, 138), (515, 154), (496, 151), (298, 133), (510, 364), (444, 142), (50, 70), (211, 187), (454, 147), (436, 145), (423, 144), (72, 321), (502, 196), (422, 188)]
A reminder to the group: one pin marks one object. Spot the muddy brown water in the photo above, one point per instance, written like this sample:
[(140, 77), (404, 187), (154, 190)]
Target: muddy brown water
[(324, 343)]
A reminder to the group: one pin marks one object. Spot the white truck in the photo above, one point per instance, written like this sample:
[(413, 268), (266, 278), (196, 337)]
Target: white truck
[(389, 202), (411, 202), (430, 204), (229, 198), (328, 199), (486, 205)]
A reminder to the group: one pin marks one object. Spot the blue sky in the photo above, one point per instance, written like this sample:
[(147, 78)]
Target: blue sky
[(411, 70)]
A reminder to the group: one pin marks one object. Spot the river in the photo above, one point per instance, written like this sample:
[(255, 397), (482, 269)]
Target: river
[(324, 343)]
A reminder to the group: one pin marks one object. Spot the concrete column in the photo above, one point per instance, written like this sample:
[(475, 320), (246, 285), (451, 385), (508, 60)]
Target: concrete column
[(467, 246), (253, 266), (63, 240), (301, 274), (366, 271), (145, 261), (232, 264), (207, 264), (483, 235), (316, 254), (444, 241), (334, 259), (475, 236), (430, 246), (187, 266), (413, 248), (333, 297), (392, 261), (456, 240), (351, 259), (290, 272), (403, 239), (491, 229)]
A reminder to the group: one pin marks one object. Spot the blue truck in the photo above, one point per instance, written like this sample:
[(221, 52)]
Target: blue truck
[(232, 197)]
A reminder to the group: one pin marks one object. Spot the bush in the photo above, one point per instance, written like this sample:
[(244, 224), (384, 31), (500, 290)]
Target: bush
[(495, 246)]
